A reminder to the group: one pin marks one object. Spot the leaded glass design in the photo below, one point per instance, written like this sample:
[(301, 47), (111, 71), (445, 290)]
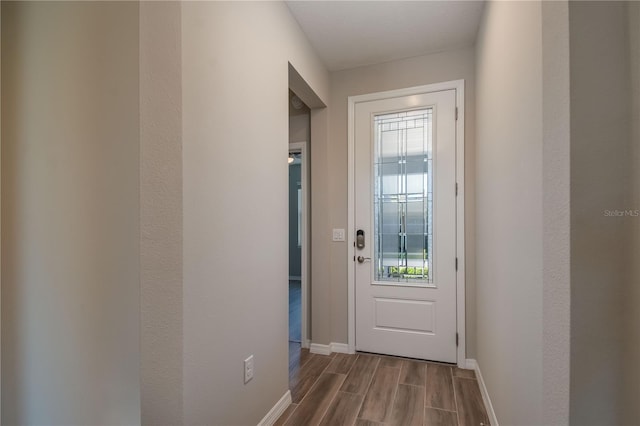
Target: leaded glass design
[(403, 197)]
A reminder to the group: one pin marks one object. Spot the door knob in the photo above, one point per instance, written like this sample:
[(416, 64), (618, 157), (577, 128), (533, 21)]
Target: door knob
[(362, 259)]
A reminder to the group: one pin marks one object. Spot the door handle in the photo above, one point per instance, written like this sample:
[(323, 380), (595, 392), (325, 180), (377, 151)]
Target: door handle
[(362, 259)]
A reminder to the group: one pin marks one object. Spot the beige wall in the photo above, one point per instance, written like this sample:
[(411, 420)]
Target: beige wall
[(509, 209), (70, 195), (320, 253), (161, 213), (235, 144), (453, 65), (632, 349), (600, 167)]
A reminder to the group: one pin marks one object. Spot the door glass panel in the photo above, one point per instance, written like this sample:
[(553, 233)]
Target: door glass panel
[(403, 198)]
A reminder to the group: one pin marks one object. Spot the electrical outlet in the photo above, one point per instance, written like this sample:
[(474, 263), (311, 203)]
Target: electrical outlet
[(248, 369)]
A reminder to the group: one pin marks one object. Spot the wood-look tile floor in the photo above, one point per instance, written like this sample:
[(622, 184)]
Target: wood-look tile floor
[(374, 390), (295, 311)]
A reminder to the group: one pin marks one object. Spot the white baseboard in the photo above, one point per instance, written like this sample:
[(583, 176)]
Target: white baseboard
[(276, 411), (317, 348), (306, 343), (472, 364), (341, 348)]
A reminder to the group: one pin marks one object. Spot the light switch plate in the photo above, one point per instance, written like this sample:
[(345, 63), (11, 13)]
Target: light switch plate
[(338, 235), (248, 369)]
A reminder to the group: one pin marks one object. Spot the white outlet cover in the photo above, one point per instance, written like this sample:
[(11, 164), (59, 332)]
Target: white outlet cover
[(338, 234)]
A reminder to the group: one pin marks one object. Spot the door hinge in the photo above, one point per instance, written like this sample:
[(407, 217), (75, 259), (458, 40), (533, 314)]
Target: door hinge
[(457, 339), (456, 113), (456, 263), (354, 258), (456, 189)]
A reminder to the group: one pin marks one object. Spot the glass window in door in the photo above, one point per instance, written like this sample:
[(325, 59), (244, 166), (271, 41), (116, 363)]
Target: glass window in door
[(403, 198)]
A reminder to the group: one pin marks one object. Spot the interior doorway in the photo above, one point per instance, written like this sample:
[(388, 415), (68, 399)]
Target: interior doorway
[(298, 243), (299, 204), (307, 127)]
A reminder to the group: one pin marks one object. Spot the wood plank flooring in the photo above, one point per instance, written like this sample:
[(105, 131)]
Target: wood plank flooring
[(295, 311), (372, 390)]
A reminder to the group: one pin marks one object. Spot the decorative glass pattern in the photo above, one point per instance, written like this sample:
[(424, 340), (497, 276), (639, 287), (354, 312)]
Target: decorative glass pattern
[(403, 197)]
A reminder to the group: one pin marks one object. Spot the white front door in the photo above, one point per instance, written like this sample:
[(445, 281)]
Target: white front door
[(405, 221)]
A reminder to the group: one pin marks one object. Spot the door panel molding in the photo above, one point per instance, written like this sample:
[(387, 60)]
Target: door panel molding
[(458, 86)]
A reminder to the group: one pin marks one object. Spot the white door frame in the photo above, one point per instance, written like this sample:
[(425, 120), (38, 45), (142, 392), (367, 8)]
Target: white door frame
[(304, 270), (458, 86)]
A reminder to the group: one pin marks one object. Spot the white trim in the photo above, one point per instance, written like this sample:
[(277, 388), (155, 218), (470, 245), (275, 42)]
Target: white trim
[(317, 348), (351, 181), (458, 86), (472, 364), (460, 211), (306, 343), (276, 411), (340, 348), (301, 147), (295, 278), (320, 349)]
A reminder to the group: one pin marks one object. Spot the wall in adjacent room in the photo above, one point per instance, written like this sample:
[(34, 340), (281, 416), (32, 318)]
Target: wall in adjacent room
[(299, 131), (299, 121), (295, 252)]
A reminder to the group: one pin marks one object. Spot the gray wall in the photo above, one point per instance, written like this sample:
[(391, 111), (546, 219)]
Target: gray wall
[(70, 214), (522, 210), (0, 217), (98, 203), (601, 164), (330, 318), (509, 209), (632, 350), (161, 213), (556, 217), (235, 119)]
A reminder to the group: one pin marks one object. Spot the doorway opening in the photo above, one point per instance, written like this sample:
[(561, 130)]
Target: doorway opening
[(307, 127), (298, 243), (298, 189)]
